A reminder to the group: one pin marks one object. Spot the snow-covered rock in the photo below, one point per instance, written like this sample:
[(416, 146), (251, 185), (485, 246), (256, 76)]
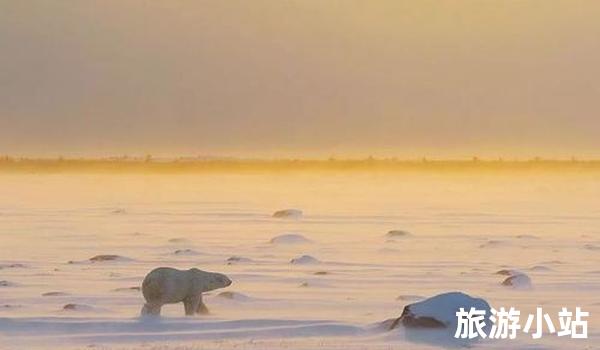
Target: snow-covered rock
[(186, 251), (128, 289), (108, 257), (289, 238), (438, 311), (493, 243), (178, 240), (518, 281), (397, 234), (77, 307), (304, 260), (237, 259), (508, 272), (288, 214), (515, 278), (55, 294)]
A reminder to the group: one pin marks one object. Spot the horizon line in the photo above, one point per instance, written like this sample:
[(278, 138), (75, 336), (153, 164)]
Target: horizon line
[(425, 158)]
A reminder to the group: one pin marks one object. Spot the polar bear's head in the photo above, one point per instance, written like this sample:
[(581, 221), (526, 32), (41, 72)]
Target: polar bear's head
[(219, 280), (211, 280)]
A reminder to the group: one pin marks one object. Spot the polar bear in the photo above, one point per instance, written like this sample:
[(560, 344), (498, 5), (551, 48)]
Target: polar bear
[(165, 285)]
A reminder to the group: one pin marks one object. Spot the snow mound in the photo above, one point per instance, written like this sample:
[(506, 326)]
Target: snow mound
[(233, 296), (389, 250), (165, 333), (438, 311), (304, 260), (540, 268), (289, 238), (288, 214), (409, 297)]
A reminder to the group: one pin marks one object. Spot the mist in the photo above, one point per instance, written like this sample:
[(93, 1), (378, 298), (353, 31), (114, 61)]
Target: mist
[(300, 78)]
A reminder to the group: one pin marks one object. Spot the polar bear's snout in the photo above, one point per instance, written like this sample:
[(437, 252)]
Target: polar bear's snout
[(223, 280), (227, 281)]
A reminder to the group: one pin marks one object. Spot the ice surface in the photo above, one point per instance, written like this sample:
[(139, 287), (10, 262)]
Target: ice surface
[(49, 220)]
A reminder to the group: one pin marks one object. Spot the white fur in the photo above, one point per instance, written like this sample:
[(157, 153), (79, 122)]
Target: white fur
[(165, 285)]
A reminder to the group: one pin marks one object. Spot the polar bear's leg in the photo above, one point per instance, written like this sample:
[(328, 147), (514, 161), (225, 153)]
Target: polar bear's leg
[(151, 309), (191, 304), (201, 309)]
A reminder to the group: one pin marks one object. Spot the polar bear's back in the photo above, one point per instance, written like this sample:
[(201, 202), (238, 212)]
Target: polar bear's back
[(166, 285)]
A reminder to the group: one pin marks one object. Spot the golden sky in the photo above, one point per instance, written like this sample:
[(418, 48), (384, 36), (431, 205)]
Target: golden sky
[(300, 78)]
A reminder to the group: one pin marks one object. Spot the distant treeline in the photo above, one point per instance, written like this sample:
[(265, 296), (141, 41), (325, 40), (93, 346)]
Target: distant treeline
[(148, 164)]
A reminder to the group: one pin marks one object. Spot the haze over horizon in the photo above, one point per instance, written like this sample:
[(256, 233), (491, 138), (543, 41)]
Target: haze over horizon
[(308, 79)]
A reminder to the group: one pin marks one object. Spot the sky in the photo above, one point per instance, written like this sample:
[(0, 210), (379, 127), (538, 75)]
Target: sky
[(312, 78)]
